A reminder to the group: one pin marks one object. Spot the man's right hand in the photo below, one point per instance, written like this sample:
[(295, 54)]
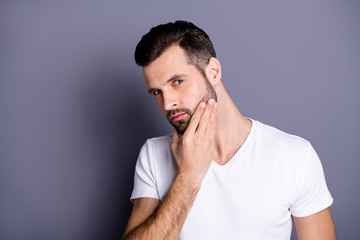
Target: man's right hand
[(194, 150)]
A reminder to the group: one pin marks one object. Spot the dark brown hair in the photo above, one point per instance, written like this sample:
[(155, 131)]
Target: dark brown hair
[(192, 39)]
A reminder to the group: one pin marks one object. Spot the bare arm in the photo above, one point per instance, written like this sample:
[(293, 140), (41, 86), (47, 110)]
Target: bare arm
[(142, 210), (317, 226), (193, 153), (167, 219)]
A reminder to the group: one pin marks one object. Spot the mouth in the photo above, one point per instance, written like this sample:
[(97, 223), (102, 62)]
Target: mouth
[(178, 116)]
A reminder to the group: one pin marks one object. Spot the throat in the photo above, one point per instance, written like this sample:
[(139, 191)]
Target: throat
[(230, 144), (223, 160)]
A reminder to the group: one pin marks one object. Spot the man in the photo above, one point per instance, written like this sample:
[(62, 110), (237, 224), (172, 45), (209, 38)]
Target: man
[(220, 175)]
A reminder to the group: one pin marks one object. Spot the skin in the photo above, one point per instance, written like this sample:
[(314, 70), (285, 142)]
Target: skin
[(319, 226), (215, 132)]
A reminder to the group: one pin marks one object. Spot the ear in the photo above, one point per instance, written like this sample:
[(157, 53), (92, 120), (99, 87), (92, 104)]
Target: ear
[(213, 71)]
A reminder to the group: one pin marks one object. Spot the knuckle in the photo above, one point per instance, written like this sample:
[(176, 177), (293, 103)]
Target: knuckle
[(186, 139), (198, 141)]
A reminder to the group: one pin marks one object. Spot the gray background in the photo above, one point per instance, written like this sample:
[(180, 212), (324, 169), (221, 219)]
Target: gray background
[(75, 111)]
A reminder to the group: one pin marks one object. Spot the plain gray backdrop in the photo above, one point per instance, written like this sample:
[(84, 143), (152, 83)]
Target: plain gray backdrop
[(75, 110)]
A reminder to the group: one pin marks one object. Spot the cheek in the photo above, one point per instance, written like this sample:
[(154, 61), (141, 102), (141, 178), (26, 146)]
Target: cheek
[(191, 98), (160, 104)]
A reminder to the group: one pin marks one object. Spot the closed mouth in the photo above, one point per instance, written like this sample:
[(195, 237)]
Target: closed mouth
[(178, 116)]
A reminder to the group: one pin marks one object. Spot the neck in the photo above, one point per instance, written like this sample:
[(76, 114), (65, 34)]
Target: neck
[(232, 128)]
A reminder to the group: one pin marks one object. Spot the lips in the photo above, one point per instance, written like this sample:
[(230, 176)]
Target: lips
[(178, 116)]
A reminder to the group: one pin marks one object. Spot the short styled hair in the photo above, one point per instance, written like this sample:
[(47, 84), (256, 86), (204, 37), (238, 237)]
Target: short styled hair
[(196, 43)]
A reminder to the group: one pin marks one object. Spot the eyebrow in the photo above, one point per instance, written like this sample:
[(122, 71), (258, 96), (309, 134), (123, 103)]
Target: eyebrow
[(172, 78)]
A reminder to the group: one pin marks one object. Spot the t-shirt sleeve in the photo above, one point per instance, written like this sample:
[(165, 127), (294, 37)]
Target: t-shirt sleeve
[(144, 177), (311, 194)]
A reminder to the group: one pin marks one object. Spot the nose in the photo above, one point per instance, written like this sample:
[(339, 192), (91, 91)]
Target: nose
[(169, 101)]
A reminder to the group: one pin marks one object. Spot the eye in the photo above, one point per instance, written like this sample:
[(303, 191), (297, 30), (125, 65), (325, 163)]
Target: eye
[(155, 92), (178, 82)]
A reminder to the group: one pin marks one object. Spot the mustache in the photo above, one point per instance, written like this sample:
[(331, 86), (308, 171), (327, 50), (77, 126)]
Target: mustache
[(171, 113)]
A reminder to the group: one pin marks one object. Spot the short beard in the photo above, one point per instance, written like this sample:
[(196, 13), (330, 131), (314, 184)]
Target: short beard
[(182, 125)]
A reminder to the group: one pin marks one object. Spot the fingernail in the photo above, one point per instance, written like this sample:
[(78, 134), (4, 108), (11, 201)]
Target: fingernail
[(215, 106), (211, 101), (202, 105)]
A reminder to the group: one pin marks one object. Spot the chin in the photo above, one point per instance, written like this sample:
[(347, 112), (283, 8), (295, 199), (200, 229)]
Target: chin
[(181, 126)]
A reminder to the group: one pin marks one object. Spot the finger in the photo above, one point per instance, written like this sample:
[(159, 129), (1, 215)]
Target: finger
[(210, 131), (194, 122), (205, 117), (212, 119), (176, 136)]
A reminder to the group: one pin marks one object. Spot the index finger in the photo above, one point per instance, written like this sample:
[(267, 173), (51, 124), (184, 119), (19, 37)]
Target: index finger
[(208, 114), (195, 119)]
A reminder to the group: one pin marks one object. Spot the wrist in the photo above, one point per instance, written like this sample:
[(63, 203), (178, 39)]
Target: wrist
[(191, 180)]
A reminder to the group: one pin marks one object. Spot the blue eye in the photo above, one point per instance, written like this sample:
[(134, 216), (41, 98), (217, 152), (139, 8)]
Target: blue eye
[(178, 82), (156, 92)]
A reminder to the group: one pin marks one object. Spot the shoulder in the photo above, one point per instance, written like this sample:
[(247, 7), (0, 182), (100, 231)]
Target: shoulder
[(277, 140), (156, 149), (161, 139), (154, 153), (158, 143)]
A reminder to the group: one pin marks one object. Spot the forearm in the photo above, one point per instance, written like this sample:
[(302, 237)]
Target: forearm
[(167, 220), (193, 152)]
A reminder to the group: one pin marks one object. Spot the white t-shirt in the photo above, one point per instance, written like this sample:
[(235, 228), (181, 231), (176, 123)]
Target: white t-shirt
[(272, 176)]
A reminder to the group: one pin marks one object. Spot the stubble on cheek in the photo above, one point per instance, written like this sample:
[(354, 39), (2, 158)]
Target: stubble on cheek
[(182, 124)]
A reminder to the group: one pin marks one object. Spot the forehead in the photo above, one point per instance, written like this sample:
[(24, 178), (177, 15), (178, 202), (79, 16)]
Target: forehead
[(172, 61)]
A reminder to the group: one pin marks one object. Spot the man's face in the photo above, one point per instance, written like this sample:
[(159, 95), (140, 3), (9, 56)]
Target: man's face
[(177, 86)]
